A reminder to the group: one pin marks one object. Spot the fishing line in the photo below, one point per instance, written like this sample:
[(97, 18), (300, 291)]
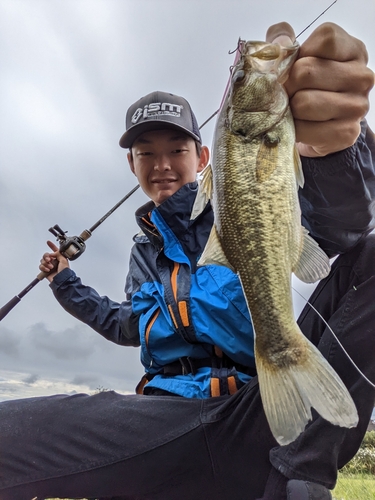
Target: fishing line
[(320, 15), (210, 118), (336, 338), (238, 50)]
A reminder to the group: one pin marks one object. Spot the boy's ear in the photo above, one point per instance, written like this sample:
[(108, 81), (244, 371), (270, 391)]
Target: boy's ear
[(131, 162), (204, 158)]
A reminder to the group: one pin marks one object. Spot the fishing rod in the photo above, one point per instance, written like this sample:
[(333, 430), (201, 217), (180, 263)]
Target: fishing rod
[(71, 247)]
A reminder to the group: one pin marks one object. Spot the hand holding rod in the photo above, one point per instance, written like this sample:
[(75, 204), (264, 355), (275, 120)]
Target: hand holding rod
[(71, 247)]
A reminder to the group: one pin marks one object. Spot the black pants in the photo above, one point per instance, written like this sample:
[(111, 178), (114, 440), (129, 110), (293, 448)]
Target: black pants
[(168, 448)]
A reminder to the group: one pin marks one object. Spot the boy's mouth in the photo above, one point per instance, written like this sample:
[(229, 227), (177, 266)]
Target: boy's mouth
[(163, 181)]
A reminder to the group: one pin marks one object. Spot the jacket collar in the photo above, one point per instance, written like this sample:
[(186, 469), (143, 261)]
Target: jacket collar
[(175, 212)]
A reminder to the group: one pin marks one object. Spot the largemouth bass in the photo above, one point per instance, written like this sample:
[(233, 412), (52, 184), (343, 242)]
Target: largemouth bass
[(257, 232)]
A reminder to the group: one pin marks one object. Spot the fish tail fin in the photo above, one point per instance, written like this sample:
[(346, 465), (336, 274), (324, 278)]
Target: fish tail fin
[(288, 393)]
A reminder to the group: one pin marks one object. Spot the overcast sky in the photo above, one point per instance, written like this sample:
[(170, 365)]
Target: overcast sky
[(68, 71)]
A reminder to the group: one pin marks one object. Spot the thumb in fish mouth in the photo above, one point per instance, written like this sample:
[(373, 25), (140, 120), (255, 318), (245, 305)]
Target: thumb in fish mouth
[(281, 33)]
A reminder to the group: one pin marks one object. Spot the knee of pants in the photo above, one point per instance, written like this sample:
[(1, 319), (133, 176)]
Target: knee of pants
[(362, 257)]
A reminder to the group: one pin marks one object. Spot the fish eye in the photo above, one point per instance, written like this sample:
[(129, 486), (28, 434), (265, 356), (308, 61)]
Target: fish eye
[(238, 76)]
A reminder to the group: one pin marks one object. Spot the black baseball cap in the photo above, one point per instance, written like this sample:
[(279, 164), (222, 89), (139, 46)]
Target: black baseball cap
[(159, 110)]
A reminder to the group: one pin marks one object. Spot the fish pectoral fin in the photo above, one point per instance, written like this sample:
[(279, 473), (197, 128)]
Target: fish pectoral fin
[(213, 252), (289, 392), (267, 157), (298, 168), (313, 263), (205, 192)]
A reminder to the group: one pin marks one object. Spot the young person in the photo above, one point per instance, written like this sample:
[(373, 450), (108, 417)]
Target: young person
[(196, 428)]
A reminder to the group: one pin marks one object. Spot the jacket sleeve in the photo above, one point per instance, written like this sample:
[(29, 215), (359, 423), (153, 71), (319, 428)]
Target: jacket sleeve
[(116, 322), (338, 197)]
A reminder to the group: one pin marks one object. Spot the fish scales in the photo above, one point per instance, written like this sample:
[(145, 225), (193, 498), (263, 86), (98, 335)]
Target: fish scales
[(257, 232), (251, 231)]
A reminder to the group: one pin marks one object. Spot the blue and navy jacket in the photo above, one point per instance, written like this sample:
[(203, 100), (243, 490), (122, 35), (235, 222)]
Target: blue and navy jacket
[(192, 323)]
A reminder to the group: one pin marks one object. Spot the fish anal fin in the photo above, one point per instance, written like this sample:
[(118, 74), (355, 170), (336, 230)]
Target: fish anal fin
[(213, 252), (267, 157), (205, 192), (313, 263), (289, 392)]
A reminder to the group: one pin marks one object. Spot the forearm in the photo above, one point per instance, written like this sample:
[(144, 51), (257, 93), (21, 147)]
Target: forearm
[(338, 198), (112, 320)]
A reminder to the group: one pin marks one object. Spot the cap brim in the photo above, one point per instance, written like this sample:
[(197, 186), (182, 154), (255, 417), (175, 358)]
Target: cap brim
[(128, 138)]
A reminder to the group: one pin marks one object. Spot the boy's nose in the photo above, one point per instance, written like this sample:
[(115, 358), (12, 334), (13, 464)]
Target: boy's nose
[(162, 164)]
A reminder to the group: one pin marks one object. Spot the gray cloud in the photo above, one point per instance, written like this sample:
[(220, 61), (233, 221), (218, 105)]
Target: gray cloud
[(72, 343), (31, 379), (75, 356), (91, 381), (9, 342)]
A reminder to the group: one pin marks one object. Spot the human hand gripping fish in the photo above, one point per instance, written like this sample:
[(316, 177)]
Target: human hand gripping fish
[(328, 87), (257, 228)]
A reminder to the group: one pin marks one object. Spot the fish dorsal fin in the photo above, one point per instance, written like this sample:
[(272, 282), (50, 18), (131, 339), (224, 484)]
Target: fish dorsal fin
[(313, 263), (267, 157), (213, 252), (298, 168), (204, 194)]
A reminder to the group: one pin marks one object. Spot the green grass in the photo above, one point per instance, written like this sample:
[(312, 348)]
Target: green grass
[(356, 480), (354, 487)]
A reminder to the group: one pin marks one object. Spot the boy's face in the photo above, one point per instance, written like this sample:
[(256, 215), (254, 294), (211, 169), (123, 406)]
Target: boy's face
[(165, 160)]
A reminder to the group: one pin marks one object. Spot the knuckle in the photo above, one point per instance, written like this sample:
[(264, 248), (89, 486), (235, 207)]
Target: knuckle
[(363, 107), (368, 79), (337, 40), (349, 133), (361, 50), (300, 104), (302, 72), (357, 79), (356, 106), (329, 33)]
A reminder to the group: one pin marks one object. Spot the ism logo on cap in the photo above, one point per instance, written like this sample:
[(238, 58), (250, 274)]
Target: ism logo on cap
[(157, 108), (156, 111)]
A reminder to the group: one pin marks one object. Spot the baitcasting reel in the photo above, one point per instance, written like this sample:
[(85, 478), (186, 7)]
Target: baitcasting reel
[(71, 247)]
